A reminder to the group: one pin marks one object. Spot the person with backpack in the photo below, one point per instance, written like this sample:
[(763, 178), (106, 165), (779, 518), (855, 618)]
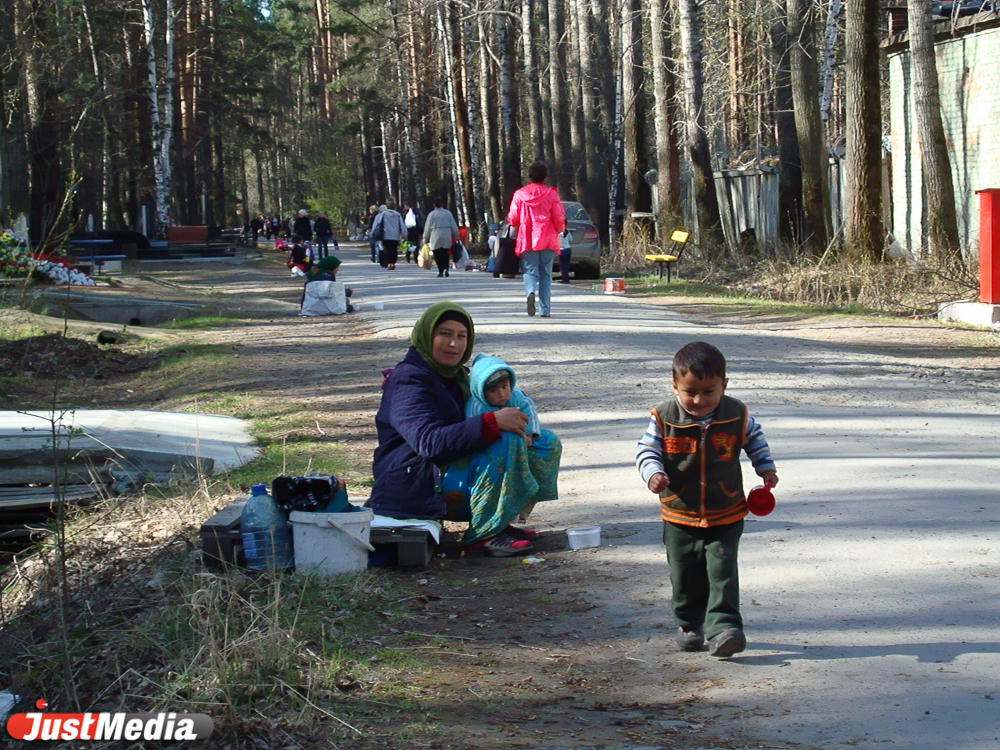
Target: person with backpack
[(413, 231)]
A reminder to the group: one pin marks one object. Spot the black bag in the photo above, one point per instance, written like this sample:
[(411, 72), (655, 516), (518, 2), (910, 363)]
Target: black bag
[(309, 493), (378, 232)]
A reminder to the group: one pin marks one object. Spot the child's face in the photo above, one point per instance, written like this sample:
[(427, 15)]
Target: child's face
[(498, 394), (699, 397)]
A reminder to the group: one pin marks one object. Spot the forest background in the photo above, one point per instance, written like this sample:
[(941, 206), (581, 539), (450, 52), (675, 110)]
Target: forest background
[(210, 111)]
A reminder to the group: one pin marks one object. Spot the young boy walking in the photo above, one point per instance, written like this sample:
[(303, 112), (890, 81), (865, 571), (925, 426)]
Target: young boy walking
[(690, 457)]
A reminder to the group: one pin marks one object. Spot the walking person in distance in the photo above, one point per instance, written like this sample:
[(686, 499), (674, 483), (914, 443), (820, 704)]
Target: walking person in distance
[(440, 232), (390, 229), (538, 214)]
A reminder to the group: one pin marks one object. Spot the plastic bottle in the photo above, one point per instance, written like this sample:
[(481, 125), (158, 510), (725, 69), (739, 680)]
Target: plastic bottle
[(267, 539)]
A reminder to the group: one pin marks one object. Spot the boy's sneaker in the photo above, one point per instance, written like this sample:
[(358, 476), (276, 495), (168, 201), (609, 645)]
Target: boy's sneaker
[(691, 640), (728, 642), (531, 304)]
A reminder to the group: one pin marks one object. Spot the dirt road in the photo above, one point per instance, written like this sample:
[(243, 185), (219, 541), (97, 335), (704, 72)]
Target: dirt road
[(870, 594)]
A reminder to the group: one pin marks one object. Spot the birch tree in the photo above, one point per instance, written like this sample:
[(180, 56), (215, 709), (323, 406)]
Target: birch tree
[(668, 208)]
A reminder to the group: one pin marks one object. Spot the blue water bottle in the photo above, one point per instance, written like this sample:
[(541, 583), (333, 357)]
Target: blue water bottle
[(267, 538)]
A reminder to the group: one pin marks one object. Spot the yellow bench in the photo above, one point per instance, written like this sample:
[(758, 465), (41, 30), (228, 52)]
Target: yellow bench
[(678, 238), (663, 261)]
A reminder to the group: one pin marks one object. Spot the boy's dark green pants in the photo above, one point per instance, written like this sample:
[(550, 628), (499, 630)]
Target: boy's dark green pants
[(704, 576)]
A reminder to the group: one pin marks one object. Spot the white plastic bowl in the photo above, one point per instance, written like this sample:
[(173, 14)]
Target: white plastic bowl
[(584, 536)]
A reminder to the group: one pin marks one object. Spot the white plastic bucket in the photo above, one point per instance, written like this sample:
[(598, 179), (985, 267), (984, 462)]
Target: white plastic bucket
[(331, 544), (584, 536)]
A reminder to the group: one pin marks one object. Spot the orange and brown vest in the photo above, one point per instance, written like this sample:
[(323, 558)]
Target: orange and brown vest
[(706, 482)]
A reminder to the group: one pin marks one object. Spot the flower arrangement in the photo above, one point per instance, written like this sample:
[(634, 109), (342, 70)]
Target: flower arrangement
[(16, 262)]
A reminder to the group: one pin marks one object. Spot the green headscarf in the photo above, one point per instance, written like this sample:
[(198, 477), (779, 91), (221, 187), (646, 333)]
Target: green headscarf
[(422, 339)]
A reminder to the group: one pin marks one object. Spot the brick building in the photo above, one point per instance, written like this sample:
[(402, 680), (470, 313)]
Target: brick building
[(968, 52)]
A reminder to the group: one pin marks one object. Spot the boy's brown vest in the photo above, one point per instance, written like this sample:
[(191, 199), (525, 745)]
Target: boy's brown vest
[(706, 482)]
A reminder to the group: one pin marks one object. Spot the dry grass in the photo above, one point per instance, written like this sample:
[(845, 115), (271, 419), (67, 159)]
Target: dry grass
[(832, 282), (150, 628)]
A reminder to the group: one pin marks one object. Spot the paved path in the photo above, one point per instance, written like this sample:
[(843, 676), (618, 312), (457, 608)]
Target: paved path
[(871, 595)]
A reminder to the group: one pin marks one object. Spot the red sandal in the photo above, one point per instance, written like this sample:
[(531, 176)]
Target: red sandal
[(503, 545)]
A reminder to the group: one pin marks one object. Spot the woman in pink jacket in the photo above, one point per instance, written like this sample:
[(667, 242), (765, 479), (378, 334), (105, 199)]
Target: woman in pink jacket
[(538, 214)]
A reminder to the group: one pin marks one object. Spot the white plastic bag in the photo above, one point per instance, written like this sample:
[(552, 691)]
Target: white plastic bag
[(324, 298)]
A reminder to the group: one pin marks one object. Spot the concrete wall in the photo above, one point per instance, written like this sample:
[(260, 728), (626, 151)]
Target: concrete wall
[(968, 62)]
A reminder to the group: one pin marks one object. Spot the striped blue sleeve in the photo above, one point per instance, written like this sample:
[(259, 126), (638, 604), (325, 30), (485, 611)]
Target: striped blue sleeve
[(649, 451), (756, 447)]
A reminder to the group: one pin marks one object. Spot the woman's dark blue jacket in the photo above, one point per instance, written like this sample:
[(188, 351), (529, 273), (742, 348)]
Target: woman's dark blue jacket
[(421, 428)]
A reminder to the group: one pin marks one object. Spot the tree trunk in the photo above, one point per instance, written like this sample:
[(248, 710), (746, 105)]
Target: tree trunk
[(560, 168), (530, 76), (668, 208), (579, 39), (461, 206), (703, 181), (829, 56), (638, 196), (939, 189), (863, 232), (488, 108), (477, 203), (414, 191), (14, 188), (809, 125), (789, 162), (508, 107), (160, 170)]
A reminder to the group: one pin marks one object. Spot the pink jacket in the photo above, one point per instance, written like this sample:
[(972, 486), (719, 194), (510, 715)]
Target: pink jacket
[(537, 212)]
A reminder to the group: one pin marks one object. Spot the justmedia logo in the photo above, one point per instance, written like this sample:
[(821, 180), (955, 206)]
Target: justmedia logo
[(109, 726)]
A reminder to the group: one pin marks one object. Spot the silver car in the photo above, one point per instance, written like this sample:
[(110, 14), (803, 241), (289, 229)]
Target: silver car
[(584, 243)]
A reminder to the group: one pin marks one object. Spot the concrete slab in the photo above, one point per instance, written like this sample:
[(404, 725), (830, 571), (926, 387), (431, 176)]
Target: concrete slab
[(154, 439), (973, 313)]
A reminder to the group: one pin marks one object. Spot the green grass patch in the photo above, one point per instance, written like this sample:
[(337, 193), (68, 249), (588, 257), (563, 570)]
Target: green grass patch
[(727, 299), (201, 322)]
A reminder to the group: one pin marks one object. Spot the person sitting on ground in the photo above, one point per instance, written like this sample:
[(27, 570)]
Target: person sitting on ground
[(300, 260), (422, 431), (322, 294), (528, 467)]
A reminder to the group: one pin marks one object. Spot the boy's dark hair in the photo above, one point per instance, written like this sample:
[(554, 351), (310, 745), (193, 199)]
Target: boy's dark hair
[(701, 360), (538, 172), (296, 239)]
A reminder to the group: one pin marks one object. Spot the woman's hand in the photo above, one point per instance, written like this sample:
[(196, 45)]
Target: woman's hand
[(511, 419)]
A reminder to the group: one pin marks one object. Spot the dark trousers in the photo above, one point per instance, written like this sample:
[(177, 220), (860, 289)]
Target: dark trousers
[(564, 256), (390, 253), (323, 245), (704, 576), (413, 236), (441, 257)]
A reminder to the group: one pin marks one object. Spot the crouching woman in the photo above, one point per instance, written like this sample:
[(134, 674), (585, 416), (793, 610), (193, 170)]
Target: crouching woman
[(422, 428)]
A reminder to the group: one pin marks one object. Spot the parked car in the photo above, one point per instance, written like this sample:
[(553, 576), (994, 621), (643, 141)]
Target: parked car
[(585, 243)]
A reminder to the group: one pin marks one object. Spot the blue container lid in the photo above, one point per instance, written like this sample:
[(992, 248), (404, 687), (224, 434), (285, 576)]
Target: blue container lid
[(258, 489)]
